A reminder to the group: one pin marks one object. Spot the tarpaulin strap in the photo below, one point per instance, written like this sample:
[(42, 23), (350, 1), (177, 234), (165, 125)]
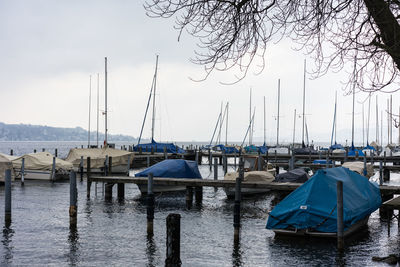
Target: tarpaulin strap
[(324, 220)]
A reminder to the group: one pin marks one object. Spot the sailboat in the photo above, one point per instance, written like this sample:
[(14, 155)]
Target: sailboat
[(155, 146), (305, 149)]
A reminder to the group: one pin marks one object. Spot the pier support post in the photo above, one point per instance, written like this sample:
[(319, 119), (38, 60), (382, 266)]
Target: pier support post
[(81, 168), (225, 163), (386, 175), (165, 153), (238, 196), (385, 213), (148, 161), (189, 197), (109, 165), (340, 228), (346, 154), (380, 173), (88, 181), (56, 152), (23, 172), (53, 170), (173, 240), (327, 160), (384, 158), (106, 166), (11, 152), (7, 194), (198, 192), (291, 162), (215, 168), (121, 191), (73, 200), (150, 205), (108, 191), (196, 157)]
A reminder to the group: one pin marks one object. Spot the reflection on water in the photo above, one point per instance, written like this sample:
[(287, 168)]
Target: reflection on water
[(73, 241), (8, 233), (237, 253), (151, 250)]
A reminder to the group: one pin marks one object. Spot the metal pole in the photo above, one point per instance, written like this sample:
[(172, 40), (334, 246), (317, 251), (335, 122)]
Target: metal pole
[(304, 102), (277, 123), (154, 101), (90, 106), (238, 192), (7, 202), (105, 97), (88, 181), (340, 228)]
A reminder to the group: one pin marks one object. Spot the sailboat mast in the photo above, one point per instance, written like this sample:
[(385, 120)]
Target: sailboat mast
[(352, 116), (363, 128), (304, 101), (154, 101), (97, 134), (388, 121), (369, 111), (277, 125), (335, 114), (377, 122), (220, 126), (105, 97), (265, 122), (90, 98), (391, 119), (250, 117), (294, 126)]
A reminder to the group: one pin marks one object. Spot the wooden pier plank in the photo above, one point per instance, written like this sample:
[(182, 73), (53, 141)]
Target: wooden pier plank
[(393, 203)]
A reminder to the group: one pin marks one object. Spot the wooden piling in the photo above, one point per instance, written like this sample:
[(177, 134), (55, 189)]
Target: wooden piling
[(109, 165), (128, 165), (225, 163), (165, 153), (189, 197), (121, 191), (365, 165), (215, 168), (260, 163), (81, 168), (7, 194), (238, 194), (340, 227), (108, 191), (11, 152), (384, 158), (88, 181), (150, 205), (386, 175), (73, 199), (346, 154), (380, 173), (56, 152), (198, 193), (148, 161), (173, 240), (53, 170)]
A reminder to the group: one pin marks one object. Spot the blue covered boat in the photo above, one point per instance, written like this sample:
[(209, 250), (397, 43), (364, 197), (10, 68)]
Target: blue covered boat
[(226, 149), (170, 168), (311, 208), (159, 147), (353, 151)]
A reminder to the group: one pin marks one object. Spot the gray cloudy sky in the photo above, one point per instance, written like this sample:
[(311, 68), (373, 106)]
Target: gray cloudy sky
[(50, 48)]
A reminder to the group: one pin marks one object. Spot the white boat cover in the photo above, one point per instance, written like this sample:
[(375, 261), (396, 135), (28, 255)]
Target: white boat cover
[(98, 156), (374, 145), (358, 167), (253, 176), (5, 163), (41, 161)]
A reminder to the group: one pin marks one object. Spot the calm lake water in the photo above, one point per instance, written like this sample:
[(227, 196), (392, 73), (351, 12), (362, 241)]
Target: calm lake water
[(114, 233)]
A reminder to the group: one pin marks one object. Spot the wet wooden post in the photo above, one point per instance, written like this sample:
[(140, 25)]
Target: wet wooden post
[(234, 160), (365, 165), (56, 152), (215, 168), (340, 227), (260, 163), (128, 165), (327, 160), (165, 153), (152, 151), (384, 158), (34, 151), (7, 194), (121, 191), (386, 175), (198, 193), (109, 186), (106, 166), (140, 150), (150, 204), (173, 240), (189, 197), (73, 199), (225, 163), (380, 173), (346, 154), (238, 196), (196, 157), (43, 150), (23, 172), (81, 168), (148, 161), (210, 158), (109, 165), (88, 174), (11, 152), (53, 170), (291, 161)]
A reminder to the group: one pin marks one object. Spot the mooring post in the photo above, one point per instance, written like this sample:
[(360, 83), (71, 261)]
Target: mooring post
[(346, 155), (234, 160), (173, 241), (238, 193), (266, 157), (128, 165), (365, 166), (196, 157), (152, 151), (380, 173), (88, 181), (319, 155), (309, 156), (198, 193), (189, 197), (150, 204), (225, 163), (81, 168), (7, 194), (106, 166), (140, 150), (56, 152), (53, 170), (148, 161), (340, 228), (23, 172), (371, 156), (260, 163), (384, 158), (73, 199), (275, 156), (165, 153), (34, 151), (386, 175), (109, 165), (215, 168), (121, 191), (210, 158), (291, 162), (327, 160), (11, 152), (43, 150)]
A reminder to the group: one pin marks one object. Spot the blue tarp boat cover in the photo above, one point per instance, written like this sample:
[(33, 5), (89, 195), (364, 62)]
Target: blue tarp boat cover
[(251, 149), (313, 205), (352, 152), (336, 146), (173, 168), (159, 147), (263, 149), (321, 161), (369, 147), (226, 149)]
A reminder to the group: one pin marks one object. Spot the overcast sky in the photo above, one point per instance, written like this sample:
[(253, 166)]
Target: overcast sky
[(50, 48)]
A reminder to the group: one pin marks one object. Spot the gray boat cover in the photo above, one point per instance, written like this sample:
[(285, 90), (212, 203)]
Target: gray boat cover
[(98, 156), (253, 176), (5, 163), (298, 175), (358, 167), (41, 161)]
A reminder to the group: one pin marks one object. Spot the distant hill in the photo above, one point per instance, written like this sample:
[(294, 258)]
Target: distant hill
[(28, 132)]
